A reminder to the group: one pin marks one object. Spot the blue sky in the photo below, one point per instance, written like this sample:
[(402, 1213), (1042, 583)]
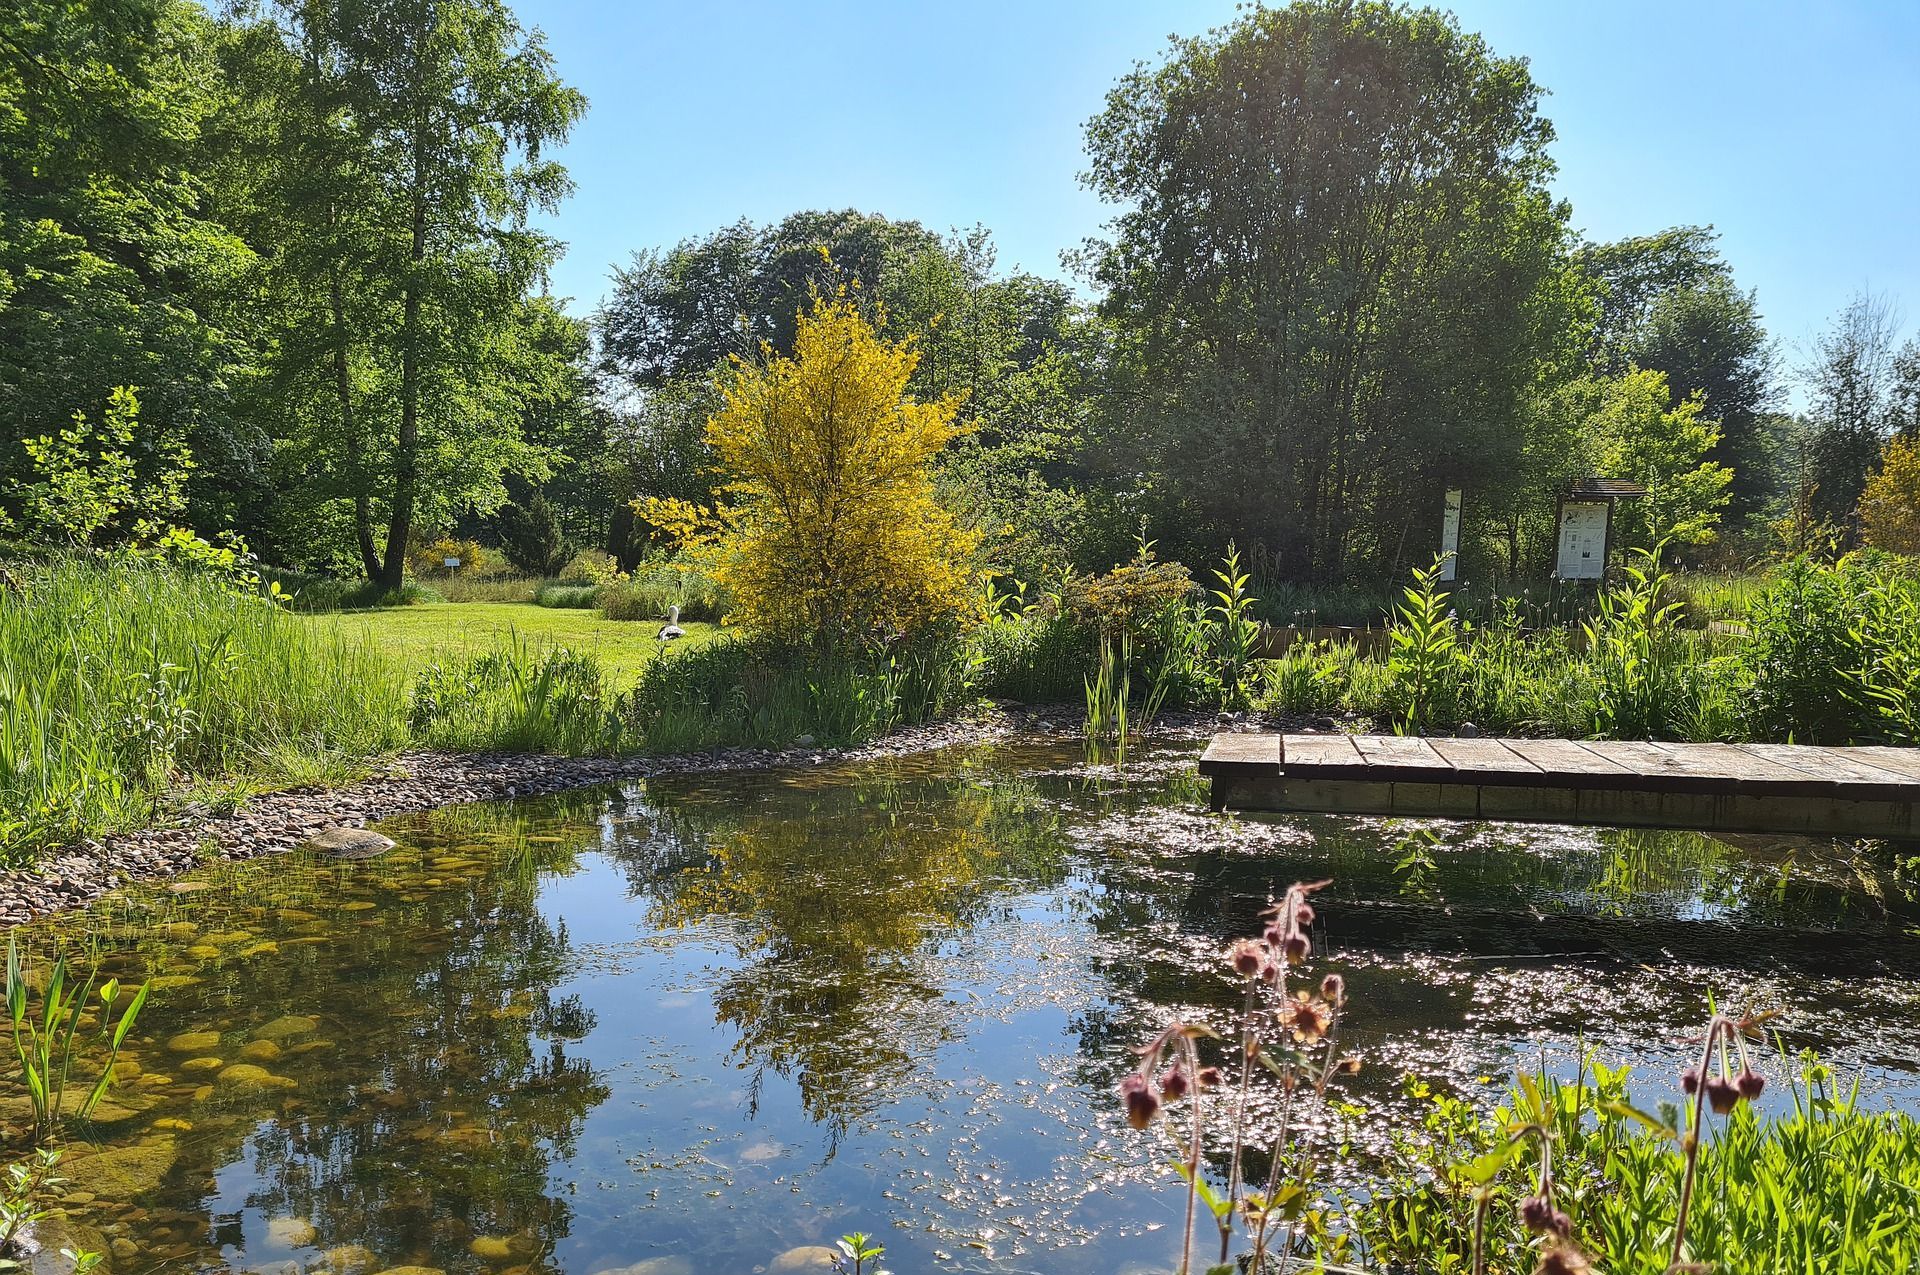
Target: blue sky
[(1794, 128)]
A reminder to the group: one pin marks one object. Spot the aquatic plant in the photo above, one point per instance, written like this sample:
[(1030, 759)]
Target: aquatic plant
[(1234, 630), (1107, 689), (1426, 657), (44, 1045), (855, 1251), (1287, 1029)]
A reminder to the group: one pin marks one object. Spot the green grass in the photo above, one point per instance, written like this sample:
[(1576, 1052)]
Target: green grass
[(121, 683), (416, 637)]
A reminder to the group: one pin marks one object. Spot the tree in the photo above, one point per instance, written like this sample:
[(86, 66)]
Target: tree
[(111, 273), (1015, 346), (398, 154), (1856, 382), (1335, 279), (1668, 303), (1637, 432), (1890, 503), (836, 536)]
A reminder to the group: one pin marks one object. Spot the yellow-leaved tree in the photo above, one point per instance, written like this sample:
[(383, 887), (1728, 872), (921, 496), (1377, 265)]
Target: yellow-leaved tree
[(1890, 505), (836, 534)]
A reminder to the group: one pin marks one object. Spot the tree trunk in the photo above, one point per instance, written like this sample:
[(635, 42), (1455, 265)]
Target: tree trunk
[(406, 457), (350, 429)]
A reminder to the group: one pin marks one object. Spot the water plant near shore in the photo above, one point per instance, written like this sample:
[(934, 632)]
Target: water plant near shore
[(45, 1046)]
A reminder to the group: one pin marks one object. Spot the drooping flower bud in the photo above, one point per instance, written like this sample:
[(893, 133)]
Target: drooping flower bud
[(1296, 948), (1689, 1080), (1334, 989), (1749, 1082), (1303, 914), (1209, 1078), (1173, 1083), (1536, 1213), (1722, 1096), (1563, 1259), (1142, 1104), (1246, 957)]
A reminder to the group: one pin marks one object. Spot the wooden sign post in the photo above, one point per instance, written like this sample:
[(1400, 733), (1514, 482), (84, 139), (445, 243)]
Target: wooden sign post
[(1584, 543)]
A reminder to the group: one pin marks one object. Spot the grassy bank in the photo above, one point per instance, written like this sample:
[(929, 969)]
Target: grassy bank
[(414, 637), (119, 682)]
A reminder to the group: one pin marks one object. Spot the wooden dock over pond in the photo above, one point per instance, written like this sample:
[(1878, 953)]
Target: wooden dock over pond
[(1866, 792)]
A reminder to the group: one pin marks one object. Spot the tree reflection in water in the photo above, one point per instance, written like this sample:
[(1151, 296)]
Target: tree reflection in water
[(836, 898)]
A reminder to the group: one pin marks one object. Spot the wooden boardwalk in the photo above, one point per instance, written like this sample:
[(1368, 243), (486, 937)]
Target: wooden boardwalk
[(1871, 792)]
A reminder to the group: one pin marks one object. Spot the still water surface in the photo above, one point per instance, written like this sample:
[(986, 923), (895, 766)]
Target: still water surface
[(693, 1025)]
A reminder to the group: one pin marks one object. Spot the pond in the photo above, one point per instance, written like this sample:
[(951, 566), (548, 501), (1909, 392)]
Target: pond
[(699, 1024)]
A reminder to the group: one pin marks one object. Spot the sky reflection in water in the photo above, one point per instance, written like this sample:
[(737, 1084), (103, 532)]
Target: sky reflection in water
[(701, 1023)]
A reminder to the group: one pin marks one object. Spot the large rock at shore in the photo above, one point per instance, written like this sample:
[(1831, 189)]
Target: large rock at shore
[(348, 843)]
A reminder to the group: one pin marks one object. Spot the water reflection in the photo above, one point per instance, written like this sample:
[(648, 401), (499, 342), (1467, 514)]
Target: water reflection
[(706, 1023), (838, 902)]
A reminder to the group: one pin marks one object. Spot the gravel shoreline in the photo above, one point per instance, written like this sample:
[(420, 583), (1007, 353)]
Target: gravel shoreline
[(277, 822)]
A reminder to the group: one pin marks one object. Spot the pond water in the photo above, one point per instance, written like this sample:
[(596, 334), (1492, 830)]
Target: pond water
[(696, 1024)]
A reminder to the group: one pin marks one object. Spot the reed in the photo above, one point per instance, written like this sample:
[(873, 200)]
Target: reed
[(120, 682)]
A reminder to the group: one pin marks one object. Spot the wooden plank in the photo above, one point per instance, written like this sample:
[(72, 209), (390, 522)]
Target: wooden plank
[(1905, 761), (1405, 758), (1845, 773), (1564, 757), (1715, 786), (1248, 754), (1473, 758), (1309, 755)]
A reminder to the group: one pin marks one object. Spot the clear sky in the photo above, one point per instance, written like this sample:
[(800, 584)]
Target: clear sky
[(1794, 128)]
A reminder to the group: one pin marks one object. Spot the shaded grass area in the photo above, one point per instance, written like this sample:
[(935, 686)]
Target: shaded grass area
[(416, 637)]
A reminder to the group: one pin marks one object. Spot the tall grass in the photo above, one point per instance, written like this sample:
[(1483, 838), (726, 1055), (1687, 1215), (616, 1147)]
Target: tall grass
[(518, 698), (119, 680)]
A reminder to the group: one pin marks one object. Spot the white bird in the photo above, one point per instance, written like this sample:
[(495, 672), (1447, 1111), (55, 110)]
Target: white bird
[(671, 629)]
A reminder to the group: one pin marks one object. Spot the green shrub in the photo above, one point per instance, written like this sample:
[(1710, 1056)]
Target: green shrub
[(590, 566), (314, 594), (1832, 653), (119, 679), (655, 586)]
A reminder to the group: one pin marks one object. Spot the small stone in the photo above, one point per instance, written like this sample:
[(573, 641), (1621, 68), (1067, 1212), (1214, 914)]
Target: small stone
[(208, 1063), (193, 1042), (491, 1248), (348, 1259), (247, 1077), (348, 843), (413, 1270), (808, 1257), (673, 1264), (124, 1249), (290, 1025), (261, 1051), (173, 1123), (291, 1232), (1468, 731)]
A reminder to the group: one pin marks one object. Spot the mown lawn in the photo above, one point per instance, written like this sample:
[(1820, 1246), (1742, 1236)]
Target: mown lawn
[(417, 636)]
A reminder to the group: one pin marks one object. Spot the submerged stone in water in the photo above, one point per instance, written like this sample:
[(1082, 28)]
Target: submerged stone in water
[(808, 1257), (261, 1051), (208, 1063), (670, 1265), (291, 1232), (413, 1270), (289, 1025), (491, 1248), (347, 1259), (246, 1076), (349, 843), (122, 1173), (193, 1042)]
